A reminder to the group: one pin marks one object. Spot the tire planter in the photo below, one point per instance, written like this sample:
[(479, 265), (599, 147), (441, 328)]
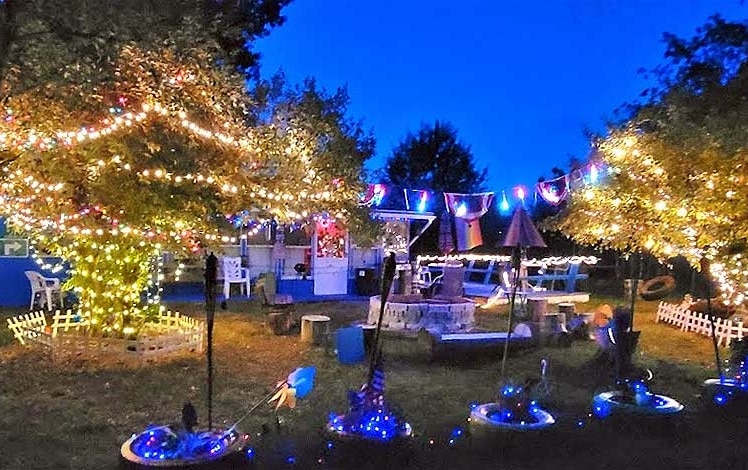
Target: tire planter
[(657, 288), (379, 427), (721, 392), (162, 448), (617, 402), (484, 417)]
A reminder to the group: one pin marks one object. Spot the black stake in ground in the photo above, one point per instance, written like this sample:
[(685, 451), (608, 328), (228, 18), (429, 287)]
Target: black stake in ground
[(516, 264), (635, 276), (387, 278), (211, 274), (705, 270)]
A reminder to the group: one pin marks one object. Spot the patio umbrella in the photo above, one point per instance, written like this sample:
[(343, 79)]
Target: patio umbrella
[(521, 234), (446, 243)]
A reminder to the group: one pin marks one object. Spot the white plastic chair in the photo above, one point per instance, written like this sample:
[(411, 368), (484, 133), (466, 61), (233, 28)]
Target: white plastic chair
[(43, 290), (423, 277), (233, 273)]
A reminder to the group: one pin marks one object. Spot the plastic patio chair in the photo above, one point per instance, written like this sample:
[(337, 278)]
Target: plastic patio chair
[(233, 273), (43, 290)]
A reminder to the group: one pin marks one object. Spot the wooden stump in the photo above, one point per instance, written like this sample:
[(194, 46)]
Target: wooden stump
[(568, 308), (369, 332), (551, 324), (314, 329), (537, 308), (280, 323)]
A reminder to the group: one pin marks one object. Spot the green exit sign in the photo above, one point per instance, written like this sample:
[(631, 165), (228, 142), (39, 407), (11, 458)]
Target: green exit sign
[(14, 248)]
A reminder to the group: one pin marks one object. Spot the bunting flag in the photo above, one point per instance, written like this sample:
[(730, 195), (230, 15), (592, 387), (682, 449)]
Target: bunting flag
[(468, 234), (374, 195), (467, 210), (554, 191)]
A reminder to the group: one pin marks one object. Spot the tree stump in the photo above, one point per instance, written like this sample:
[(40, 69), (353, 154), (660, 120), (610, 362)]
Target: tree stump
[(314, 329), (552, 324), (568, 308), (369, 332), (537, 308), (279, 323)]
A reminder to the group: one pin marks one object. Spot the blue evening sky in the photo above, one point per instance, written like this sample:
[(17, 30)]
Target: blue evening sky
[(520, 80)]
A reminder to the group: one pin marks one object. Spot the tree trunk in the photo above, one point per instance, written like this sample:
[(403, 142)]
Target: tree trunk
[(8, 31)]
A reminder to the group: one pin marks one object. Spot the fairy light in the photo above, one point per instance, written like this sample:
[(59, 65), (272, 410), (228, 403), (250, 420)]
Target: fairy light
[(548, 261), (114, 261), (655, 200)]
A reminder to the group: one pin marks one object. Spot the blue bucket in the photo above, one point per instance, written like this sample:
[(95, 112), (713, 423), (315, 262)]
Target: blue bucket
[(350, 342)]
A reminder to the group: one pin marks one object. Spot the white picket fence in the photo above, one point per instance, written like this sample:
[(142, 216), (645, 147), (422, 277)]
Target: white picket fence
[(68, 334), (686, 320)]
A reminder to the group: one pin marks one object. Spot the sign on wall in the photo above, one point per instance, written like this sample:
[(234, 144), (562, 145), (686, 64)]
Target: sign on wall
[(14, 248)]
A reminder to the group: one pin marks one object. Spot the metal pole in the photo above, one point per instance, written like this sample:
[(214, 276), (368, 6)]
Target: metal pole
[(635, 275), (257, 405), (517, 262), (706, 271), (211, 274)]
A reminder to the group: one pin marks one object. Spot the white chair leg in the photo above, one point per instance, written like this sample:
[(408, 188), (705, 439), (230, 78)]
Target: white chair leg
[(226, 289), (33, 297), (49, 299), (249, 288)]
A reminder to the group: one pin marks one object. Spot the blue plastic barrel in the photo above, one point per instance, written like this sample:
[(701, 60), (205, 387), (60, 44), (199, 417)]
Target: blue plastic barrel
[(350, 342)]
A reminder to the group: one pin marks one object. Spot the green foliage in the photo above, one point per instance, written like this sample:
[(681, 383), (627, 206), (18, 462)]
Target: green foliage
[(434, 159), (127, 127), (677, 167), (44, 40), (342, 144)]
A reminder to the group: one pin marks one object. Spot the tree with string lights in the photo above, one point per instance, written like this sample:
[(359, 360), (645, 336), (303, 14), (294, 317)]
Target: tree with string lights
[(151, 152), (675, 181)]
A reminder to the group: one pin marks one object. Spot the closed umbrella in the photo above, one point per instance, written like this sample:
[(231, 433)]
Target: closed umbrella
[(446, 243), (521, 234)]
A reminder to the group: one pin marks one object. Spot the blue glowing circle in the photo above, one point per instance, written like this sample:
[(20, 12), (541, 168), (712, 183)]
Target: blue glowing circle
[(491, 415), (614, 402), (161, 446), (724, 391), (374, 425)]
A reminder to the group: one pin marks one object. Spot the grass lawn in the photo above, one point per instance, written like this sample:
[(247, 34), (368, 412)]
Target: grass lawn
[(75, 414)]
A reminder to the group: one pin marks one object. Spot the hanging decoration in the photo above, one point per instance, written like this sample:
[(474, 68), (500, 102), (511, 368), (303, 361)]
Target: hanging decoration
[(554, 191), (374, 195), (419, 200), (504, 204), (467, 210)]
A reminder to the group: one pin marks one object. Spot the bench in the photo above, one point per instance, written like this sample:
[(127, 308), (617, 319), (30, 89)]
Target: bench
[(569, 277), (465, 344), (483, 277)]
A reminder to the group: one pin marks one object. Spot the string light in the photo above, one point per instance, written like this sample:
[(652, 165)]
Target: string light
[(114, 255)]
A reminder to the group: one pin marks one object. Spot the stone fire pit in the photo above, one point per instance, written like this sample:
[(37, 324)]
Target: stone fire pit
[(413, 313)]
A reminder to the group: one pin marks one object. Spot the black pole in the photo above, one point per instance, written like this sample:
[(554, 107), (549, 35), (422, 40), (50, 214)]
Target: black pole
[(517, 264), (635, 268), (211, 274), (387, 278), (706, 271)]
